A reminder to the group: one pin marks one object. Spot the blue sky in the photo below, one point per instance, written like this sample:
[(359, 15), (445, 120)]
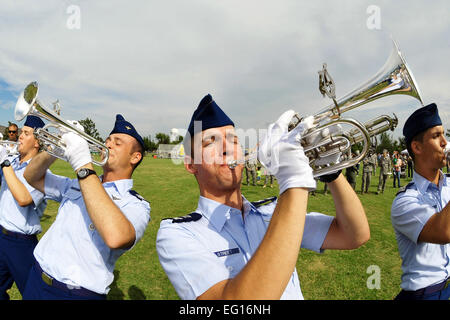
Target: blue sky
[(153, 61)]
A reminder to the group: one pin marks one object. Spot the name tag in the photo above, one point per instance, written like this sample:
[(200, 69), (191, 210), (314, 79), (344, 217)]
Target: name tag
[(227, 252)]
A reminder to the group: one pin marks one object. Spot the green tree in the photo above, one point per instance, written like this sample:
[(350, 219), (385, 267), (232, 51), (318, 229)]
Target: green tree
[(89, 129), (149, 144), (162, 138), (385, 142), (178, 140)]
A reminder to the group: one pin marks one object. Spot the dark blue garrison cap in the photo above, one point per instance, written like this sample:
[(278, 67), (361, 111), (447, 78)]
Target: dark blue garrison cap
[(210, 114), (34, 122), (123, 126), (421, 120)]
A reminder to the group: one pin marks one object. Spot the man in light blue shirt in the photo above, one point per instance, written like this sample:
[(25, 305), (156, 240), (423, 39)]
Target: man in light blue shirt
[(230, 248), (21, 207), (98, 220), (420, 213)]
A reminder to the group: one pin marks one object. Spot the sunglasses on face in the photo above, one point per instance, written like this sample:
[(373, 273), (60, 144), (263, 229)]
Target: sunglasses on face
[(12, 131)]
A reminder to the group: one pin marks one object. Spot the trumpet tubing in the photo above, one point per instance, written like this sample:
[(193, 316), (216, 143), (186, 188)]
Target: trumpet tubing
[(28, 104), (325, 155), (377, 126)]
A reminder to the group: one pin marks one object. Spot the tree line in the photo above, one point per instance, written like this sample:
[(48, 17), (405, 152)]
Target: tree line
[(150, 144)]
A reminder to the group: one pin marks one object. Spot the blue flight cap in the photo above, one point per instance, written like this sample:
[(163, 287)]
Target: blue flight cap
[(34, 122), (210, 114), (123, 126), (421, 120)]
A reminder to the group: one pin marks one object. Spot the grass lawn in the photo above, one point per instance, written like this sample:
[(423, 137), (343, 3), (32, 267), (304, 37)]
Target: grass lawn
[(332, 275)]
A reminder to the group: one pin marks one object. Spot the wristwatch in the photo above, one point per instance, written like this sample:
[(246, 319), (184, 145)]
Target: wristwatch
[(5, 163), (84, 172)]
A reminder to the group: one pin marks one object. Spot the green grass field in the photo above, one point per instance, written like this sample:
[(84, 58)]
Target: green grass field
[(332, 275)]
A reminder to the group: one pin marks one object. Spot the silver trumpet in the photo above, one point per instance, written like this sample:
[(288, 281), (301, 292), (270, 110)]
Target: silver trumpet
[(11, 147), (28, 104), (324, 149)]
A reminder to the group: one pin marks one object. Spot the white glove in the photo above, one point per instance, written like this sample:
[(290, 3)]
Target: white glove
[(3, 154), (76, 124), (281, 153), (76, 151)]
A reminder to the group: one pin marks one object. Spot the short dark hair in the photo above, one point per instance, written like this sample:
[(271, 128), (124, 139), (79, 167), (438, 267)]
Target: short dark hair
[(418, 137)]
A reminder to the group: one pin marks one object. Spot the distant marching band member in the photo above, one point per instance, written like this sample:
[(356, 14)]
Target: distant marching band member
[(21, 207), (99, 218), (232, 248)]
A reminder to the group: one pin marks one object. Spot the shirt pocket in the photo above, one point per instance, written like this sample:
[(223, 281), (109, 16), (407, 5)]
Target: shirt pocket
[(232, 258), (74, 195)]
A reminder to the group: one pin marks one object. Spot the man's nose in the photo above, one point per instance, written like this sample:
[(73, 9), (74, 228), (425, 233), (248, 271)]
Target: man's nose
[(446, 146)]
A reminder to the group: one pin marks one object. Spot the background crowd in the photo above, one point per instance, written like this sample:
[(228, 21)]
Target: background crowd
[(395, 167)]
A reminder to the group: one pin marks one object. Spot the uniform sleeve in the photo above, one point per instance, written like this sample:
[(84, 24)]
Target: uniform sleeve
[(138, 213), (190, 267), (409, 215), (55, 186), (36, 195), (315, 231), (316, 227)]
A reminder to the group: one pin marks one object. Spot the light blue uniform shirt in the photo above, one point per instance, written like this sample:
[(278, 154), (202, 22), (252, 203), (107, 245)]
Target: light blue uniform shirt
[(25, 220), (72, 251), (198, 254), (423, 263)]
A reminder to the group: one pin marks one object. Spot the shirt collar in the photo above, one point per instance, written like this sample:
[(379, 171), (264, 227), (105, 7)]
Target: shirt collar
[(422, 183), (122, 186), (218, 213), (15, 161)]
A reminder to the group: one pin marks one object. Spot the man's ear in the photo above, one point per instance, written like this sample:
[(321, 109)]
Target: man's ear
[(416, 147), (37, 145), (136, 157), (189, 165)]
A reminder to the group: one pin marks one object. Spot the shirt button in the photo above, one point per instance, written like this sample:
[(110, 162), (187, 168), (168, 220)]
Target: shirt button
[(91, 227)]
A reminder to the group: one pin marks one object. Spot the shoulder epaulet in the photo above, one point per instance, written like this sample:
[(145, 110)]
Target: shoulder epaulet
[(403, 189), (137, 195), (194, 216), (263, 202)]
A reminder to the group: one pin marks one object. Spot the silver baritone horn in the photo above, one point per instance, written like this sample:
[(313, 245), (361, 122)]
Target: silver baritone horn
[(329, 150), (28, 104)]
